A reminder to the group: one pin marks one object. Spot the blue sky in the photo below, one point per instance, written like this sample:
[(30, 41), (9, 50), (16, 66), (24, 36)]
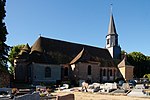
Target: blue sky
[(79, 21)]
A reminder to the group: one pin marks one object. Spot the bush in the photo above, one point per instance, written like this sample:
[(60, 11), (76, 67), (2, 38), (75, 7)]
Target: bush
[(147, 76)]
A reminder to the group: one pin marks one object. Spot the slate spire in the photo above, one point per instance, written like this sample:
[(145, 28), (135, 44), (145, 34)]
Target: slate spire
[(112, 28)]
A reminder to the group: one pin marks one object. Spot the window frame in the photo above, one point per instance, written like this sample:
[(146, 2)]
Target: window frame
[(89, 70), (47, 72)]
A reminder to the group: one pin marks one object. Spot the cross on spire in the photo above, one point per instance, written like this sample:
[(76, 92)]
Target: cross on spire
[(111, 6), (39, 35)]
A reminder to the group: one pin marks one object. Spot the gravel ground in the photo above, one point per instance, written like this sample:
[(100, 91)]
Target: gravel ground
[(96, 96)]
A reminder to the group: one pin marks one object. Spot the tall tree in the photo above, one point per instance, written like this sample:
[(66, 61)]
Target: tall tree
[(4, 76), (139, 61), (3, 32), (12, 55)]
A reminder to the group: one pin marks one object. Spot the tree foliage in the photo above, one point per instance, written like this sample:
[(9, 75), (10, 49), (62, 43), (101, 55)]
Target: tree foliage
[(3, 32), (123, 52), (147, 76), (12, 55), (140, 62)]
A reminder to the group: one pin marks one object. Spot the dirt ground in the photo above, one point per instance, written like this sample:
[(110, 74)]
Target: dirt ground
[(96, 96)]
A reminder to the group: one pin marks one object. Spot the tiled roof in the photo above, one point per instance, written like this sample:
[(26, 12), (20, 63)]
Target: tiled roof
[(27, 47), (24, 53), (123, 63), (77, 57), (46, 50)]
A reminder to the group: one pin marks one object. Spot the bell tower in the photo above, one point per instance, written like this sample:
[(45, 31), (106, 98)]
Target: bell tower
[(112, 40)]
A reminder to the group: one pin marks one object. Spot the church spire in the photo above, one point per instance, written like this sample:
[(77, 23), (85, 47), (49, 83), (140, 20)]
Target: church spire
[(112, 39), (112, 28)]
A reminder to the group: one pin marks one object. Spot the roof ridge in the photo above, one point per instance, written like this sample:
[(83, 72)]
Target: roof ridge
[(84, 45), (78, 56)]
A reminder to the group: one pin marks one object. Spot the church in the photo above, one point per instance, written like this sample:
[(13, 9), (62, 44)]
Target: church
[(51, 61)]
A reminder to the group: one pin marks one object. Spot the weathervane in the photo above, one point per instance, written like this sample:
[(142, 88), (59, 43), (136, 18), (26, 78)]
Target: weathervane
[(39, 35), (111, 5)]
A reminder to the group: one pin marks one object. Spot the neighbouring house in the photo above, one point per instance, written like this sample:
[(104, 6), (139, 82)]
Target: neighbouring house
[(51, 60), (126, 69)]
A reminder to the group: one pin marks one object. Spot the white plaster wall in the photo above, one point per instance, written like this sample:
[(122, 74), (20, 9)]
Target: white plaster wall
[(111, 51), (111, 41)]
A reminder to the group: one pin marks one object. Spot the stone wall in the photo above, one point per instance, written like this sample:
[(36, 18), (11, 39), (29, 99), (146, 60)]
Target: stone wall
[(4, 79), (38, 72), (81, 72), (66, 97), (129, 72)]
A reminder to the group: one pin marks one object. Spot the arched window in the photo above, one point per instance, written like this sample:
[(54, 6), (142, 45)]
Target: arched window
[(104, 72), (110, 72), (89, 70), (65, 71), (47, 72), (114, 73), (101, 71), (107, 41)]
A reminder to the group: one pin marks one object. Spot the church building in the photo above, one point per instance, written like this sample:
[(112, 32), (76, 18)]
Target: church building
[(50, 60)]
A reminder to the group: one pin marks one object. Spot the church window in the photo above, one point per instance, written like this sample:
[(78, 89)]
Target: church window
[(101, 72), (65, 71), (89, 70), (104, 72), (110, 72), (47, 72), (107, 41), (114, 73), (116, 41)]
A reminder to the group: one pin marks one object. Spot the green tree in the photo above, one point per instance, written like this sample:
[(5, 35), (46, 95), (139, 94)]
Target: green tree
[(123, 52), (12, 55), (147, 76), (147, 65), (139, 61), (3, 32)]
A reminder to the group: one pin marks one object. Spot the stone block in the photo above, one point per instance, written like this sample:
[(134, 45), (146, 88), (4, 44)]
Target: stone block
[(66, 97)]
